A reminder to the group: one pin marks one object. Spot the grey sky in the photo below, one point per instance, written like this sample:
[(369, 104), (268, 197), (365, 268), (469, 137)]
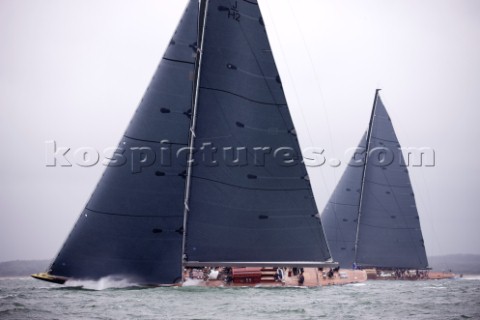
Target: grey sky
[(74, 71)]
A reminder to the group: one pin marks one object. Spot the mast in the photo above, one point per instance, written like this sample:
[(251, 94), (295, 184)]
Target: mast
[(202, 17), (367, 150)]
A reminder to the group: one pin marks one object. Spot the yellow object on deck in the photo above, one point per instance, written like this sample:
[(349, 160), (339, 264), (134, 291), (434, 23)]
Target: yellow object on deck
[(50, 278)]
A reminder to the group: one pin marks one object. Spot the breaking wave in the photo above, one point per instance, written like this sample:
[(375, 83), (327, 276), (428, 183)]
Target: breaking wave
[(192, 282), (102, 284), (470, 277)]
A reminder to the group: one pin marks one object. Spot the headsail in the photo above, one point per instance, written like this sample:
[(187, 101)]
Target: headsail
[(389, 233), (132, 225), (259, 208), (340, 215)]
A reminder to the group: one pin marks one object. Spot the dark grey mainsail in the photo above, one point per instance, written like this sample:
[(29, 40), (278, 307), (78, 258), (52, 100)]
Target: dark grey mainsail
[(153, 212), (372, 219), (132, 225), (258, 209)]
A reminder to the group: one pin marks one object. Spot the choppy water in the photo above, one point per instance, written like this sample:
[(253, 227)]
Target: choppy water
[(25, 298)]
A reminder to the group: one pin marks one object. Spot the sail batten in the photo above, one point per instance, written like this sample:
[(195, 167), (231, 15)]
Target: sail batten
[(128, 215), (283, 189), (245, 97)]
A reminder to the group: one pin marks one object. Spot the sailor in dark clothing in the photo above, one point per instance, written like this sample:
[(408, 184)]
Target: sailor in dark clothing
[(301, 279), (330, 273)]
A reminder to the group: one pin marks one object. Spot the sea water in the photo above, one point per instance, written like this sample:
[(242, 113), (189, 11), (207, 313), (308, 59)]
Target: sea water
[(25, 298)]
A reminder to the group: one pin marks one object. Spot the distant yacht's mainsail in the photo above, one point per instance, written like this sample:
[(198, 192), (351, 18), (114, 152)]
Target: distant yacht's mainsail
[(216, 99), (371, 219)]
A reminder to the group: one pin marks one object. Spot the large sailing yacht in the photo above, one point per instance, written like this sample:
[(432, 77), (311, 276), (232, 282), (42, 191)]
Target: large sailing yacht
[(371, 220), (207, 182)]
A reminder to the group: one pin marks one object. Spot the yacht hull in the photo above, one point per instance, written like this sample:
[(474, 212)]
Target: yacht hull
[(410, 275), (312, 277)]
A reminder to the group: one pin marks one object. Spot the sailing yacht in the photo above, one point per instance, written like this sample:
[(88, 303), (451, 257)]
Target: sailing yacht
[(371, 220), (207, 183)]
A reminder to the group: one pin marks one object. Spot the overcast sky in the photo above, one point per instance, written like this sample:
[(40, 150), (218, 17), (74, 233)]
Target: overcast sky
[(74, 72)]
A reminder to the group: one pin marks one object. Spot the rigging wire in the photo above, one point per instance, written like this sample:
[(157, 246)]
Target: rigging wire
[(317, 82), (322, 107), (290, 77)]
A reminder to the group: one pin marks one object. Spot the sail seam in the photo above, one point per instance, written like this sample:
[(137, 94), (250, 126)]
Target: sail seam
[(246, 228), (389, 228), (387, 185), (153, 141), (243, 97), (248, 188), (261, 211), (179, 61), (130, 215), (343, 204), (395, 141)]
